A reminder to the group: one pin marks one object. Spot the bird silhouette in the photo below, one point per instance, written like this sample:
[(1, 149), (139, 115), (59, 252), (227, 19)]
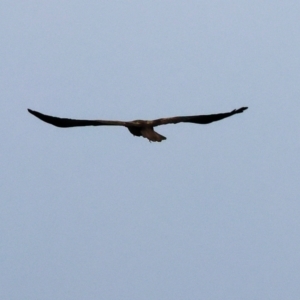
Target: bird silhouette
[(142, 128)]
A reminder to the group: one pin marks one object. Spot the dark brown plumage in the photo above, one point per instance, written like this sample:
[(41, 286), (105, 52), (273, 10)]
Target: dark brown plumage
[(138, 127)]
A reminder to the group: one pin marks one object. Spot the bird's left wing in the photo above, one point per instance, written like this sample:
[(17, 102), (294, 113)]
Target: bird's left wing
[(64, 122), (198, 119)]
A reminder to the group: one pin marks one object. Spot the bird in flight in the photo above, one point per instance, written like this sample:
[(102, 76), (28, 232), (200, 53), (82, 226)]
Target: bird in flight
[(142, 128)]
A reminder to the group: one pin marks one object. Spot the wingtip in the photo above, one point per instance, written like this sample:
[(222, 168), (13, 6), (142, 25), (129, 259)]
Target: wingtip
[(33, 112), (240, 110)]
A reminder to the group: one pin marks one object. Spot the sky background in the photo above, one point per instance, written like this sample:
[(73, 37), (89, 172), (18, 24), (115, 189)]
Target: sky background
[(213, 212)]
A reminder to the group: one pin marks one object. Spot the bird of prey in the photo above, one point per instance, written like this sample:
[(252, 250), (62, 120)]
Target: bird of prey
[(142, 128)]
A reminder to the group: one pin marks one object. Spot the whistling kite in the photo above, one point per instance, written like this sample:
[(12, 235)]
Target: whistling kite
[(138, 127)]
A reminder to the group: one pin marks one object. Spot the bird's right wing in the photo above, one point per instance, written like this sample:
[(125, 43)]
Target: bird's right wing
[(198, 119), (64, 122)]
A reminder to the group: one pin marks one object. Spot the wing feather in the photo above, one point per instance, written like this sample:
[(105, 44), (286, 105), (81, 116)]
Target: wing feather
[(198, 119), (64, 122)]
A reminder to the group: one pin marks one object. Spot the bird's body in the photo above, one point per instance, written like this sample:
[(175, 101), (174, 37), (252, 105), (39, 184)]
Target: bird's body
[(142, 128)]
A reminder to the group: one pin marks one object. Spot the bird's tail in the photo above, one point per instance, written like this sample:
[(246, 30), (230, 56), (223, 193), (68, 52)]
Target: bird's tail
[(152, 135)]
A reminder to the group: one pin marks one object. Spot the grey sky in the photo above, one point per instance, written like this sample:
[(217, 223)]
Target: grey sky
[(213, 212)]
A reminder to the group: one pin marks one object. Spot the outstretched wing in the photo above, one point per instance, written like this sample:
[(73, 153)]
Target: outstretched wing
[(200, 119), (63, 122)]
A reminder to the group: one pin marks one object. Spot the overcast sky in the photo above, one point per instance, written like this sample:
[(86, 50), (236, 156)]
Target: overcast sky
[(213, 212)]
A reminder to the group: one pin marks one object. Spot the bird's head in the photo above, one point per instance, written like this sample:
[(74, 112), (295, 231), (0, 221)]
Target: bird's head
[(138, 122)]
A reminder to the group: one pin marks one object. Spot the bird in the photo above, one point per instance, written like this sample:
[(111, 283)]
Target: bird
[(138, 128)]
